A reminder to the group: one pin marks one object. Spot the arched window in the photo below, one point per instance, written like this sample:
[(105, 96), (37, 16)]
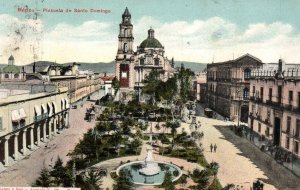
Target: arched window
[(246, 93), (247, 74), (6, 76), (125, 48), (126, 32), (156, 62), (16, 76)]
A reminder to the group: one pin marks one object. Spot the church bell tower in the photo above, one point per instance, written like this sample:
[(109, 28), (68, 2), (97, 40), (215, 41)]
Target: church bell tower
[(124, 59)]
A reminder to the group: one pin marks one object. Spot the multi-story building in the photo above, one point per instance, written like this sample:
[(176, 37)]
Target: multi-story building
[(30, 114), (200, 78), (80, 83), (131, 66), (228, 86), (275, 103)]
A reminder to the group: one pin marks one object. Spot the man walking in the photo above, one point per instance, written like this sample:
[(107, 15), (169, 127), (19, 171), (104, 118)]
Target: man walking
[(215, 148), (211, 147)]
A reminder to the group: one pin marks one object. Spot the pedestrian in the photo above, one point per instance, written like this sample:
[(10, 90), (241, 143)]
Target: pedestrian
[(215, 148), (211, 147)]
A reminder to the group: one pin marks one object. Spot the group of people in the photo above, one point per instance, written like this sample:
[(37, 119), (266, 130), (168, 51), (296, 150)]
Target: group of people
[(213, 148)]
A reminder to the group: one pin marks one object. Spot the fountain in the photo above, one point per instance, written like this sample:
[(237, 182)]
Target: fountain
[(150, 168), (149, 171)]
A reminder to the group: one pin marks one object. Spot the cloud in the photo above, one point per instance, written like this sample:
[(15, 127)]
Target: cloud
[(197, 40)]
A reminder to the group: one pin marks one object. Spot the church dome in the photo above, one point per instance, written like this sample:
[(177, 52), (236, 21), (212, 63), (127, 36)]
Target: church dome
[(151, 42)]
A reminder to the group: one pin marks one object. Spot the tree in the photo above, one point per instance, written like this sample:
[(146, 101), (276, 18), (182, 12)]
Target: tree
[(152, 82), (61, 174), (167, 183), (116, 85), (93, 180), (201, 177), (124, 181), (45, 179), (185, 80)]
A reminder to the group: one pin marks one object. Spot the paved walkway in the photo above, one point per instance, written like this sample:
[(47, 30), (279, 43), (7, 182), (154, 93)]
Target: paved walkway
[(26, 171), (241, 162)]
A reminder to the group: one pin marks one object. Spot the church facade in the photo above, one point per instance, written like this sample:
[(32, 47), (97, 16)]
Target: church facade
[(133, 66)]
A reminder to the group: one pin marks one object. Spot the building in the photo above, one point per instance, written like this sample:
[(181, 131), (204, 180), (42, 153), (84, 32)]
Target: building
[(274, 105), (11, 72), (200, 78), (30, 114), (228, 86), (80, 83), (107, 84), (132, 66)]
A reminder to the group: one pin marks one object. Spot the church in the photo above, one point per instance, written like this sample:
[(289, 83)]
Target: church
[(133, 66)]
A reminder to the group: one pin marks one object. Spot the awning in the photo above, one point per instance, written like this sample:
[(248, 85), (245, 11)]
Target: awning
[(22, 113), (44, 108), (15, 117), (62, 104), (55, 107), (37, 110), (50, 109), (67, 103)]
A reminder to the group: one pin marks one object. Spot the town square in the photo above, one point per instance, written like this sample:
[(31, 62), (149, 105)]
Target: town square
[(200, 95)]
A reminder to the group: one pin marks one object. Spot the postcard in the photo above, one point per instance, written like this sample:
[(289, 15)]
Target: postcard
[(138, 94)]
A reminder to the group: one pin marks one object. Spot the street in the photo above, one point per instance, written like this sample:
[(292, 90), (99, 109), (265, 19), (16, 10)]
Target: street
[(241, 163)]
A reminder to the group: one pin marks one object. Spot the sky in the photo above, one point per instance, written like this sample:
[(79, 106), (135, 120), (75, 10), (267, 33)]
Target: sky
[(192, 30)]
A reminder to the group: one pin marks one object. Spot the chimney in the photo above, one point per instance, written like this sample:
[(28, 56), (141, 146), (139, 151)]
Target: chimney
[(280, 65)]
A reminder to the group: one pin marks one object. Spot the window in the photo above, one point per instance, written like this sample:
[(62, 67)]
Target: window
[(247, 74), (287, 143), (246, 93), (261, 93), (156, 62), (298, 100), (1, 125), (142, 61), (279, 94), (124, 75), (270, 94), (290, 96), (125, 48), (126, 32), (22, 123), (288, 124), (6, 76), (15, 125), (16, 76), (296, 147), (259, 127), (267, 131), (297, 134)]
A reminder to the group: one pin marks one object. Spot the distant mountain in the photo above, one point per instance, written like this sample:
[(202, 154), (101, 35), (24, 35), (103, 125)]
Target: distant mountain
[(109, 67), (194, 66)]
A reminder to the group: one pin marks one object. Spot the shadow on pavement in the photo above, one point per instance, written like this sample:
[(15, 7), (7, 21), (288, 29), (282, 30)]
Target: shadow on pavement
[(278, 175)]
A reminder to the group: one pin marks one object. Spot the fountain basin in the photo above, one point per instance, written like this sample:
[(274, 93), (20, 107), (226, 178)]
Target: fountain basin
[(156, 178)]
